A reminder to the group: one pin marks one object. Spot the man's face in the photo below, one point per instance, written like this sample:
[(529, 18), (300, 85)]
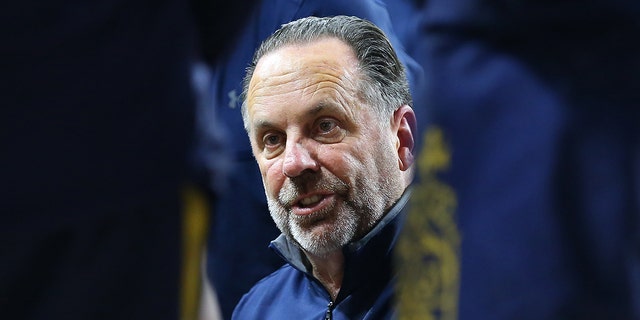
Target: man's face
[(329, 166)]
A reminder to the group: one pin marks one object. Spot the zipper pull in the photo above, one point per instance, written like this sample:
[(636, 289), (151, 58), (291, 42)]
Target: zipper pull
[(329, 314)]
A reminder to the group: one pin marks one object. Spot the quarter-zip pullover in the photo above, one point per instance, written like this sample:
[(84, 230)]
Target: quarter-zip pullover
[(367, 288)]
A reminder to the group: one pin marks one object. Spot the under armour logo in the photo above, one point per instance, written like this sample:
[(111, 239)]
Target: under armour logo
[(233, 99)]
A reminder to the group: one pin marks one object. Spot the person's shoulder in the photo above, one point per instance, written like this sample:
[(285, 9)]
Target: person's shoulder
[(276, 279), (267, 292)]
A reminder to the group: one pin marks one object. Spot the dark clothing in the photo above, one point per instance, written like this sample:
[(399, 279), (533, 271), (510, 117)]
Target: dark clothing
[(97, 109), (367, 290), (235, 266), (538, 104)]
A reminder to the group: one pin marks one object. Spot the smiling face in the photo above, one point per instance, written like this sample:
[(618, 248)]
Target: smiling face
[(329, 166)]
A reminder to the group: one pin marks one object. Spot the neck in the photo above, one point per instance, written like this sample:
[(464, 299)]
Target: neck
[(329, 270)]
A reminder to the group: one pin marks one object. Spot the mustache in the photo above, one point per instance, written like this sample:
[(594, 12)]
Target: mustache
[(294, 187)]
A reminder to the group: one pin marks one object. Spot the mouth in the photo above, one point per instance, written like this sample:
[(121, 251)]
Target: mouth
[(309, 204), (309, 201)]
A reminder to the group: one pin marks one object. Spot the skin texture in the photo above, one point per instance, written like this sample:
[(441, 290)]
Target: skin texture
[(330, 167)]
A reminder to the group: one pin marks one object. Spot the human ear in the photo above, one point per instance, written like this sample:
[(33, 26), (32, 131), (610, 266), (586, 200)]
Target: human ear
[(404, 126)]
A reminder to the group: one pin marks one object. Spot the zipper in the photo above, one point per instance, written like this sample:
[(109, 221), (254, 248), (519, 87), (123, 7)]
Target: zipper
[(329, 314)]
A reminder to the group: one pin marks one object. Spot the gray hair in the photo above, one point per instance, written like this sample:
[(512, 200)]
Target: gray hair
[(385, 84)]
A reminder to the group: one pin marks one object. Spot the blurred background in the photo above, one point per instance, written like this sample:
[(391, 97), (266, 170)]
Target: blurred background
[(129, 190)]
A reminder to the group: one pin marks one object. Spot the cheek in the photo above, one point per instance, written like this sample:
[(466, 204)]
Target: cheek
[(272, 177), (344, 164)]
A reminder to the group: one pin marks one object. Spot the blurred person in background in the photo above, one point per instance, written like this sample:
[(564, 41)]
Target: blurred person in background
[(527, 201), (98, 105)]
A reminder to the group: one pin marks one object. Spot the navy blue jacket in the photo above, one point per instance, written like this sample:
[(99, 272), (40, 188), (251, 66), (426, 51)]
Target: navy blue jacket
[(234, 266), (537, 102), (367, 289)]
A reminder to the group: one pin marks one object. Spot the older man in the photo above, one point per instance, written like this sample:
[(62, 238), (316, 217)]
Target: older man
[(328, 112)]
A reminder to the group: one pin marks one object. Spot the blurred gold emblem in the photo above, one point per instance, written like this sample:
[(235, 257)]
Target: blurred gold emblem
[(427, 254)]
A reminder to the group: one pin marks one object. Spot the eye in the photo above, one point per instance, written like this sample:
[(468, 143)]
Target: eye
[(326, 125), (328, 130), (272, 140), (272, 144)]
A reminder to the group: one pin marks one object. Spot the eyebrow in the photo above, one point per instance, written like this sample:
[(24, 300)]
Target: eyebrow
[(261, 124), (313, 111), (318, 108), (322, 106)]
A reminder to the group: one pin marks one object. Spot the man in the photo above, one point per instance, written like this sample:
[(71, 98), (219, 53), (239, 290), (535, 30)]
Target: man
[(235, 266), (328, 112)]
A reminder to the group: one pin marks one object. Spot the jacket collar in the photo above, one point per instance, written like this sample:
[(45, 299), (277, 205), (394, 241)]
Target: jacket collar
[(374, 249)]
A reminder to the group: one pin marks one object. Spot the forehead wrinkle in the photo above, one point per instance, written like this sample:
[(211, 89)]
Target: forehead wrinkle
[(265, 88), (277, 68), (341, 83), (268, 83), (328, 79)]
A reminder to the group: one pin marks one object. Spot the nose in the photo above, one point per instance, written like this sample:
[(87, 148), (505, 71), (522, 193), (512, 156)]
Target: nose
[(297, 159)]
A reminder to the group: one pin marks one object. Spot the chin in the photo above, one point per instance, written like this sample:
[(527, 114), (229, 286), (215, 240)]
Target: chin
[(321, 244)]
